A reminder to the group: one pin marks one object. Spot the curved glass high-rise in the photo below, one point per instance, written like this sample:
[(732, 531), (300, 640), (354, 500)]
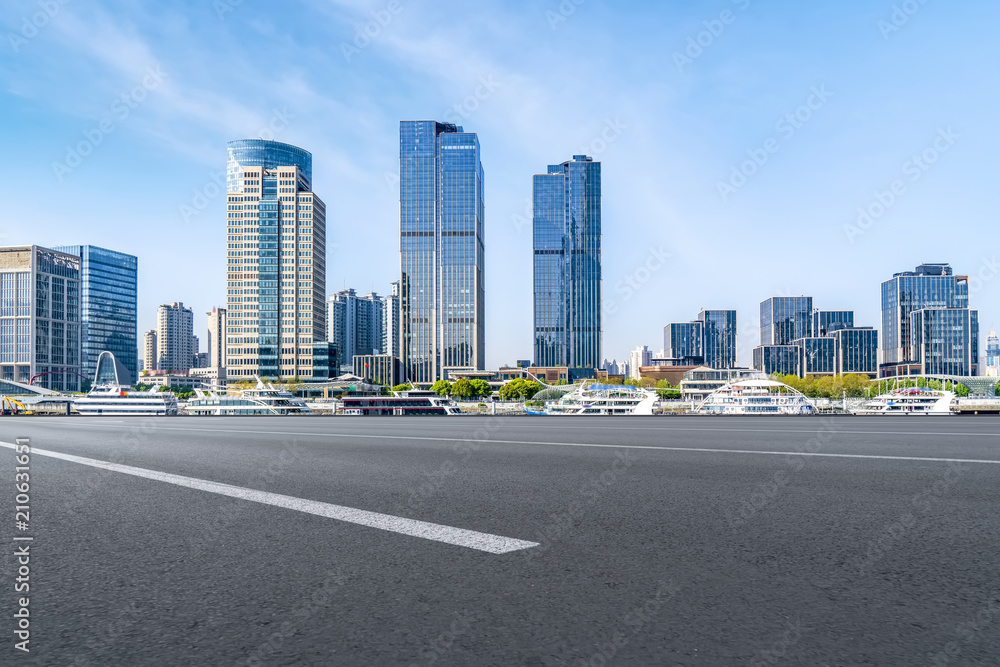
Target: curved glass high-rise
[(266, 154), (567, 264), (276, 306)]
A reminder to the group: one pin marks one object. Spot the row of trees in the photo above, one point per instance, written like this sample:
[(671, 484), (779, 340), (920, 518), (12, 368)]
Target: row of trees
[(860, 386), (520, 390), (467, 389)]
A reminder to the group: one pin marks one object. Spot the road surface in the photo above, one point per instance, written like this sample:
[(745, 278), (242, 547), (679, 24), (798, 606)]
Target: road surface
[(507, 541)]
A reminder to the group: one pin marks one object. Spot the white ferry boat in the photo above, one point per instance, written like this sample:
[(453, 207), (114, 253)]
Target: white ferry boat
[(756, 397), (406, 403), (911, 401), (261, 400), (604, 399), (112, 400)]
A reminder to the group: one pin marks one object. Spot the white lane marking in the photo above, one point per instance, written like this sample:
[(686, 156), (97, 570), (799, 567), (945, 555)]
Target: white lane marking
[(494, 544), (586, 444)]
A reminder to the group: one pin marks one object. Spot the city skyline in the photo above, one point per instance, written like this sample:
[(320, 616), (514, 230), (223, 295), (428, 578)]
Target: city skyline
[(691, 124)]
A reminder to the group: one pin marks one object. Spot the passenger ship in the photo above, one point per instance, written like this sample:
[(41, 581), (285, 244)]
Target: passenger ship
[(261, 400), (603, 399), (406, 404), (756, 397), (112, 400), (912, 401)]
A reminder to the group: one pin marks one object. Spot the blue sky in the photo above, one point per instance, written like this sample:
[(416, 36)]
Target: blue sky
[(671, 97)]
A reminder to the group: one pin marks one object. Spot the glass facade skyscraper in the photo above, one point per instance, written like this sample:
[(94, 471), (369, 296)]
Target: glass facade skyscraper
[(683, 341), (720, 338), (40, 318), (276, 306), (784, 319), (857, 351), (108, 308), (944, 341), (817, 356), (825, 322), (929, 286), (442, 214), (567, 264)]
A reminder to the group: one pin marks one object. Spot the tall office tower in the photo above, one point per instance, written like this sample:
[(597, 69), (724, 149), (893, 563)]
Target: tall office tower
[(390, 323), (567, 264), (825, 322), (39, 318), (785, 318), (174, 338), (442, 213), (993, 355), (216, 342), (152, 353), (277, 261), (683, 343), (945, 341), (929, 286), (720, 343), (355, 324), (108, 307), (857, 351)]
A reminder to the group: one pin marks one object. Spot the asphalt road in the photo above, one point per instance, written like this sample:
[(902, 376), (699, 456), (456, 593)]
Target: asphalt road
[(367, 541)]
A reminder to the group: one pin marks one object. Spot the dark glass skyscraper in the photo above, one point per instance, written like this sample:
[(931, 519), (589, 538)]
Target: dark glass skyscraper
[(567, 264), (683, 341), (720, 332), (108, 310), (825, 322), (442, 213), (784, 319), (929, 286)]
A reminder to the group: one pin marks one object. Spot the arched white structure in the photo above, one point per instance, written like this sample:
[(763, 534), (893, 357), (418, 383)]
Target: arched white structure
[(110, 371), (756, 397)]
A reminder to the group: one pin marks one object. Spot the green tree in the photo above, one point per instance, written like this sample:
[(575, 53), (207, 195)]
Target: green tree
[(519, 390), (402, 387), (962, 391), (481, 387), (463, 389), (441, 388)]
